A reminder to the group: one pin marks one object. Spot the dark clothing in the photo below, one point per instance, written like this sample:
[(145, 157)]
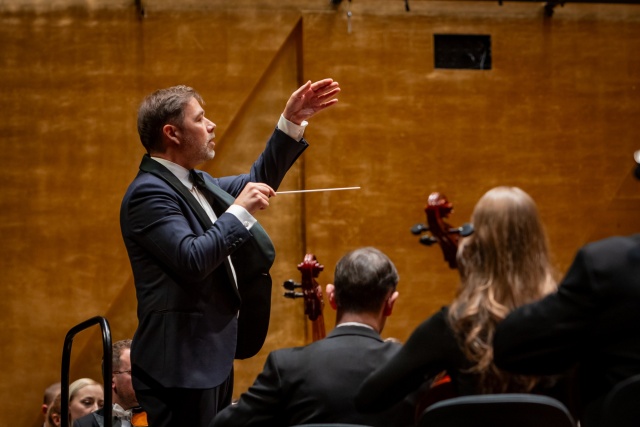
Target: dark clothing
[(188, 326), (316, 384), (592, 321), (184, 407), (94, 419), (431, 349)]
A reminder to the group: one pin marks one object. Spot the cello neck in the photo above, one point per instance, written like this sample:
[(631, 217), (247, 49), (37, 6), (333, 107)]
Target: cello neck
[(317, 328)]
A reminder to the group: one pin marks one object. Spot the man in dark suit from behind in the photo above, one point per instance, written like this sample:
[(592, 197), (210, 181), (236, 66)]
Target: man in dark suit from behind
[(317, 383), (125, 405)]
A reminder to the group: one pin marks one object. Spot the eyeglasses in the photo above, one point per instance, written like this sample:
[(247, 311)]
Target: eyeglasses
[(121, 372)]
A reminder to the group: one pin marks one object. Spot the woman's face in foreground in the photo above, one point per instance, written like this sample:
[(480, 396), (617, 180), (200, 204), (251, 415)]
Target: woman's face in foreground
[(88, 399)]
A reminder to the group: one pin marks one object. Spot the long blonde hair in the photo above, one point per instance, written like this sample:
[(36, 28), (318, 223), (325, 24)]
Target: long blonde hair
[(503, 265)]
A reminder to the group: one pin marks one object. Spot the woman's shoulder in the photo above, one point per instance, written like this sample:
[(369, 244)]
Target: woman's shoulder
[(437, 323)]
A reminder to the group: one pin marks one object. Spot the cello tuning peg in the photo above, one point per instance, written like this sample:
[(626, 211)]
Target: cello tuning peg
[(464, 231), (290, 285), (419, 229), (293, 295), (428, 240)]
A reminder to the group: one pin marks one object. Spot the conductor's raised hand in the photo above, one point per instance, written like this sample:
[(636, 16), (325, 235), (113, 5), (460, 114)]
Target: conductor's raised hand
[(254, 197), (309, 99)]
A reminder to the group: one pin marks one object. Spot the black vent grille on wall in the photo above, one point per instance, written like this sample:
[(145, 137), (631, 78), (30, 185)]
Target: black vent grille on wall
[(462, 52)]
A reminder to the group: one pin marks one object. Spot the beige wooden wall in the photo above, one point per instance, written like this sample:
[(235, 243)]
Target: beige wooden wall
[(555, 116)]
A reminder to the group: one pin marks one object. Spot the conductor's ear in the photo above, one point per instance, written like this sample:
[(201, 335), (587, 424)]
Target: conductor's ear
[(171, 133)]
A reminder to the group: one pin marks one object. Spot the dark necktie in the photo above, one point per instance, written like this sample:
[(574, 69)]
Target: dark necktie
[(198, 182), (197, 179)]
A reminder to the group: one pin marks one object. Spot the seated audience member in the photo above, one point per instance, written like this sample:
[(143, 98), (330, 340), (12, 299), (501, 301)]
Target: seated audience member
[(591, 322), (85, 396), (50, 394), (53, 416), (317, 383), (126, 411), (502, 265)]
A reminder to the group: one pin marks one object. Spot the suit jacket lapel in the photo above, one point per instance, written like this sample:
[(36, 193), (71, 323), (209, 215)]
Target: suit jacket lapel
[(220, 201), (151, 166), (252, 261)]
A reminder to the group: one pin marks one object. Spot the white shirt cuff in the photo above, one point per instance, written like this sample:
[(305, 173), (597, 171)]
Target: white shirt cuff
[(293, 130), (243, 216)]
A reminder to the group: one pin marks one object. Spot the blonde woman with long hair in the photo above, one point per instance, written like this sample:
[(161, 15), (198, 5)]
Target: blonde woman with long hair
[(85, 396), (503, 265)]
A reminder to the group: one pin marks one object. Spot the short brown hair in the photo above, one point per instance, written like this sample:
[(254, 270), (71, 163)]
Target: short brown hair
[(159, 108), (116, 352)]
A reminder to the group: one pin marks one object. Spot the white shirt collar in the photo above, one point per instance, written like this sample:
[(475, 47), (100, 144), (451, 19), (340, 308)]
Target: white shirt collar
[(180, 172), (364, 325)]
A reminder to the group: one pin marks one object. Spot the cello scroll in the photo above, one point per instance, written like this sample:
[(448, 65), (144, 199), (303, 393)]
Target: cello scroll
[(311, 291), (437, 210)]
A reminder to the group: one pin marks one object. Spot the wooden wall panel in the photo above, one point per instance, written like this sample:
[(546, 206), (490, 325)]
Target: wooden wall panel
[(68, 125), (71, 83), (554, 116)]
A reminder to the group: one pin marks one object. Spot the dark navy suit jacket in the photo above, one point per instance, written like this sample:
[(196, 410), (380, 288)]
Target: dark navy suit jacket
[(188, 327)]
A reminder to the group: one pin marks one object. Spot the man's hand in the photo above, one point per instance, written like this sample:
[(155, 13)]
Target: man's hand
[(309, 99), (255, 197)]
